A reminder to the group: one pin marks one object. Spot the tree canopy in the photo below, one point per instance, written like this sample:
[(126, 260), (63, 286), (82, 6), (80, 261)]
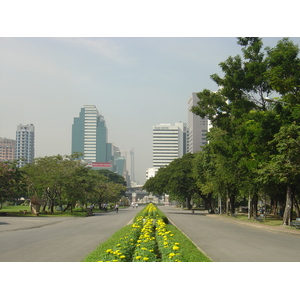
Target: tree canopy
[(253, 147)]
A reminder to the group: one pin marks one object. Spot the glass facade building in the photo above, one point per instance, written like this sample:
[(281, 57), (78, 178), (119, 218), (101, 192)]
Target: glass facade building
[(89, 135)]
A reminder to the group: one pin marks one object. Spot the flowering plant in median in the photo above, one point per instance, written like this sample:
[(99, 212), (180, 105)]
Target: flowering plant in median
[(168, 248), (122, 252), (148, 241), (146, 244)]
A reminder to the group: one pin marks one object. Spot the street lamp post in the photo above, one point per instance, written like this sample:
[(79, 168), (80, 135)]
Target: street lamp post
[(274, 101)]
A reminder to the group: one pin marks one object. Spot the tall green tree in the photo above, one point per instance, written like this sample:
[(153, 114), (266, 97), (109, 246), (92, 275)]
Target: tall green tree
[(176, 179), (235, 109), (11, 182)]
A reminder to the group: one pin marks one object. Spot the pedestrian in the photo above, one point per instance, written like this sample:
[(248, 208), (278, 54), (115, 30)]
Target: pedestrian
[(117, 208), (136, 205)]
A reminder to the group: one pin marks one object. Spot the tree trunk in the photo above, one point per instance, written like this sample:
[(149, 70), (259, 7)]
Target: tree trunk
[(44, 205), (208, 202), (232, 205), (250, 207), (296, 204), (254, 205), (287, 216), (66, 208), (227, 206), (188, 202), (274, 206)]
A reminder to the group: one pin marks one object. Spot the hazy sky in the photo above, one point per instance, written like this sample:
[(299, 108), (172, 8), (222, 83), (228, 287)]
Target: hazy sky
[(134, 82)]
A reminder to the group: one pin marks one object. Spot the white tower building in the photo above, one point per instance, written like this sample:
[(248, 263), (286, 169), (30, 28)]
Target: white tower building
[(25, 144), (169, 143), (197, 127)]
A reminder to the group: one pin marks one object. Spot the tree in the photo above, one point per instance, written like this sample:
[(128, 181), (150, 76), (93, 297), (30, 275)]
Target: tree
[(114, 177), (11, 181), (56, 179), (286, 164), (204, 172), (240, 138), (176, 179)]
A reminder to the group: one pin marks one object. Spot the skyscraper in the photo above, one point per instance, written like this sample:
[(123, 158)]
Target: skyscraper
[(169, 143), (25, 144), (89, 135), (197, 127)]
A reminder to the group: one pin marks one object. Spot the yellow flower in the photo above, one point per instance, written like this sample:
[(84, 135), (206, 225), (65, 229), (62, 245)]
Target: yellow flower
[(109, 250), (122, 256), (138, 257), (146, 258), (175, 248)]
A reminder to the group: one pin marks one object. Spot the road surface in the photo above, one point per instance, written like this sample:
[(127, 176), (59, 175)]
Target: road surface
[(225, 240), (58, 239)]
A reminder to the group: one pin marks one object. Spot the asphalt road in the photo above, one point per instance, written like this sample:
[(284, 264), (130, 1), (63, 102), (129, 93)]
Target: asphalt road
[(228, 241), (57, 239)]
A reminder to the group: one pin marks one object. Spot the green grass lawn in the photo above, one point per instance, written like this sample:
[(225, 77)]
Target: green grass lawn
[(18, 211), (270, 220)]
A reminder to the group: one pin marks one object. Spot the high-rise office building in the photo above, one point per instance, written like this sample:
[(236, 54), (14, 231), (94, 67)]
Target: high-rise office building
[(25, 144), (7, 149), (197, 127), (89, 135), (169, 143)]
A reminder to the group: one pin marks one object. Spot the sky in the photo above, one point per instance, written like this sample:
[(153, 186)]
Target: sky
[(135, 82), (138, 64)]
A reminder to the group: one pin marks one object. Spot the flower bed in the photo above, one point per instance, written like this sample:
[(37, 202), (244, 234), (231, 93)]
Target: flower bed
[(147, 241)]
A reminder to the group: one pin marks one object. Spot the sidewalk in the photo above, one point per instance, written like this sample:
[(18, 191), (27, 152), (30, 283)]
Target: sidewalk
[(257, 224)]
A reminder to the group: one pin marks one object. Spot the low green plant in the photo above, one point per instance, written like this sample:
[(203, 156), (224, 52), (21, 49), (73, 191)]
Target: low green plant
[(153, 212), (168, 246), (148, 239), (146, 247), (188, 250)]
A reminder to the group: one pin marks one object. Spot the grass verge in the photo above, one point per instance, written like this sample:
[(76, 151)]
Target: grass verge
[(110, 243), (190, 253), (18, 211)]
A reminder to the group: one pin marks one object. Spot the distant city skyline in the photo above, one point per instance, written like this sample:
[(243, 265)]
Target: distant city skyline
[(134, 82)]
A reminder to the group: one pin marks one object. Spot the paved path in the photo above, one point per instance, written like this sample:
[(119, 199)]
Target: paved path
[(226, 240), (57, 239)]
